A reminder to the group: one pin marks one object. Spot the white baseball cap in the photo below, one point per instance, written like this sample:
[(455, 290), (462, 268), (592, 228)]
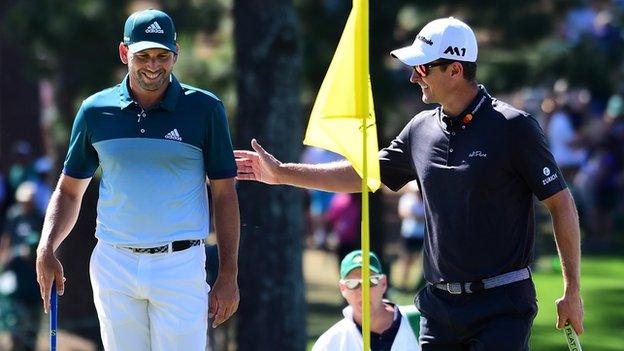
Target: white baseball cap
[(446, 38)]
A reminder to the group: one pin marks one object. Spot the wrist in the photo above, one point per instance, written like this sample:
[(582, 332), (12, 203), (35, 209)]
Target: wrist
[(45, 249), (281, 173), (228, 271), (572, 291)]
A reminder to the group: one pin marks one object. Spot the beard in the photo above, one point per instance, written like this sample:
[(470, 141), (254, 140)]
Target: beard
[(152, 84)]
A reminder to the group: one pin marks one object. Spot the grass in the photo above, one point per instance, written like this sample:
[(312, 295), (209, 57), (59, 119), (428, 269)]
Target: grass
[(602, 290)]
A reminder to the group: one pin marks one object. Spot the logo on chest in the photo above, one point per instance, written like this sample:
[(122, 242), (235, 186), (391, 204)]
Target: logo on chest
[(173, 135), (477, 153)]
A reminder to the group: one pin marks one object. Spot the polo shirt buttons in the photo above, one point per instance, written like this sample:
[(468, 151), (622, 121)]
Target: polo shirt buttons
[(463, 127), (453, 133), (451, 150), (142, 131)]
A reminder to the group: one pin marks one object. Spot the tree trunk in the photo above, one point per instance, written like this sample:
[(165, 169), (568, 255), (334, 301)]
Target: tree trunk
[(19, 105), (271, 313)]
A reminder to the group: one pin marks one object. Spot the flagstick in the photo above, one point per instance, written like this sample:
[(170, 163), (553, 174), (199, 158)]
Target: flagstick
[(365, 251), (362, 87)]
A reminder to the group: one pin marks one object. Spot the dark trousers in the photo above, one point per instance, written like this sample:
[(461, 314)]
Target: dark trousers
[(494, 319)]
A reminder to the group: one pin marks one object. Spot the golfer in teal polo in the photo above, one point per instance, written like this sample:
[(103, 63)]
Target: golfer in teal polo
[(156, 142)]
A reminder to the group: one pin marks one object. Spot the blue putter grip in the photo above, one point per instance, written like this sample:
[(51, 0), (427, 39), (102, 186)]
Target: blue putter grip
[(53, 317), (572, 338)]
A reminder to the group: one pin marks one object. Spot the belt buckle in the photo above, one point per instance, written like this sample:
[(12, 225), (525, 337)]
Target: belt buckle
[(454, 291)]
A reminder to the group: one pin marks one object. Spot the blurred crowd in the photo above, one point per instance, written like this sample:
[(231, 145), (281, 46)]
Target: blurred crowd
[(586, 137), (583, 123), (24, 196)]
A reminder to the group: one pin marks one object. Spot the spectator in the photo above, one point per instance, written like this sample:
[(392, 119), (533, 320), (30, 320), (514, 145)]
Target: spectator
[(344, 217), (563, 137), (3, 198), (389, 326), (412, 212), (319, 200), (18, 249), (599, 179), (42, 167), (21, 169)]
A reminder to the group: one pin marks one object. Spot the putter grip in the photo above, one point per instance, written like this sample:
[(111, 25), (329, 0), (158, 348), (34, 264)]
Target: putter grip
[(53, 316), (572, 338)]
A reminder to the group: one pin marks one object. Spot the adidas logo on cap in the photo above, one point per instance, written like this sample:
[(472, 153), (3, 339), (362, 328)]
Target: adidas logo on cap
[(150, 29), (173, 135), (154, 28)]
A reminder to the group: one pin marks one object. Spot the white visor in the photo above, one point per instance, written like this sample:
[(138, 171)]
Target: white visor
[(144, 45)]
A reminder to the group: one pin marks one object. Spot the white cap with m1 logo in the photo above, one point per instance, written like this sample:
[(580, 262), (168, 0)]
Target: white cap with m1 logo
[(444, 38)]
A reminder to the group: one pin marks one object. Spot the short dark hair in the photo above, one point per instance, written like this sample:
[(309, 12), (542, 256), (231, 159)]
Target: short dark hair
[(470, 69)]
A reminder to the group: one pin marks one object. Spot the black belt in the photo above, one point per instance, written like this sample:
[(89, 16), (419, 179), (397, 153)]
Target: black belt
[(489, 283), (171, 247)]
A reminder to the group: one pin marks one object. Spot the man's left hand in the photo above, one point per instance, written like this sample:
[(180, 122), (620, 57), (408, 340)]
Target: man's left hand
[(570, 309), (224, 299)]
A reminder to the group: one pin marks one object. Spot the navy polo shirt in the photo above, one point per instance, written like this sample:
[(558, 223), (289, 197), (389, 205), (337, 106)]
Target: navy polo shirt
[(477, 178), (154, 163)]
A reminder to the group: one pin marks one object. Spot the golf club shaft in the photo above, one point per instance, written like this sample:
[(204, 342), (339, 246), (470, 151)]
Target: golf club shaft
[(53, 317)]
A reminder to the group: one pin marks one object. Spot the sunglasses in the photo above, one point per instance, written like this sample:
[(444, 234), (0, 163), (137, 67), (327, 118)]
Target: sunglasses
[(353, 284), (423, 70)]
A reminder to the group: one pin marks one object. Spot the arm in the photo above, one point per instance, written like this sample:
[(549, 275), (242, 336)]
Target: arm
[(264, 167), (60, 218), (225, 295), (567, 236)]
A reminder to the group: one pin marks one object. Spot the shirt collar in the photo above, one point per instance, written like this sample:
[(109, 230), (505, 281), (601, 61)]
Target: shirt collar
[(474, 105), (168, 102), (468, 113), (347, 312)]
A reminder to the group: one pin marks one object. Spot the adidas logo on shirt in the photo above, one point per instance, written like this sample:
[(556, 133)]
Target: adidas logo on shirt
[(154, 28), (173, 135)]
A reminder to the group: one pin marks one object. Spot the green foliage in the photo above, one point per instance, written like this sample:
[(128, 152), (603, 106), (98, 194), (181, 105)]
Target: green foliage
[(75, 44), (71, 40), (519, 45)]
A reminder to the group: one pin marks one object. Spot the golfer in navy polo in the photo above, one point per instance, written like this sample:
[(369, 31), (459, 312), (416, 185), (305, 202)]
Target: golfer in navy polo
[(478, 163), (156, 142)]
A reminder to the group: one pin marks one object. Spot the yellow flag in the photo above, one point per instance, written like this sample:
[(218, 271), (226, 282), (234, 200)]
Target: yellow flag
[(345, 98)]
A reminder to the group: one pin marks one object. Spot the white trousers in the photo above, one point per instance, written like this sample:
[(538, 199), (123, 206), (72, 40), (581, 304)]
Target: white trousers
[(150, 302)]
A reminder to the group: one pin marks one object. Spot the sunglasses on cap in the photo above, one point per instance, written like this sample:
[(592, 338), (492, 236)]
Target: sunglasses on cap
[(423, 70), (353, 284)]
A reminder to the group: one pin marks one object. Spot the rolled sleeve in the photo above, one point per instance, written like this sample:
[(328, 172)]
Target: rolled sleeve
[(395, 161), (533, 160), (82, 159), (219, 159)]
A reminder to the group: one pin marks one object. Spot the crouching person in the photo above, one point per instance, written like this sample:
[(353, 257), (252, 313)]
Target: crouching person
[(390, 328)]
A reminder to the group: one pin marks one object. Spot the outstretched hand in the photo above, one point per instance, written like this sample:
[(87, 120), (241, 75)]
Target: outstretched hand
[(260, 165)]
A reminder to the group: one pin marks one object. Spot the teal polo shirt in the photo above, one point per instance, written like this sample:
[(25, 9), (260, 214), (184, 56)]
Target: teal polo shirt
[(154, 162)]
